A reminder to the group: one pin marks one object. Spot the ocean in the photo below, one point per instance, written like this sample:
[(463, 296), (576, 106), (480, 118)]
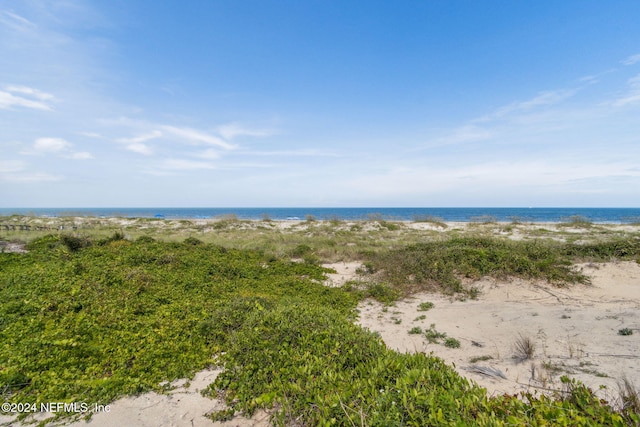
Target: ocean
[(598, 215)]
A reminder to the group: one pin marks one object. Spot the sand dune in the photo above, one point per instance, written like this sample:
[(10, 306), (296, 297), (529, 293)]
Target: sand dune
[(574, 330)]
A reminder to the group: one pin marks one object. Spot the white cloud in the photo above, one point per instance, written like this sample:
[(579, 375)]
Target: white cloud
[(306, 152), (467, 133), (45, 145), (23, 96), (35, 93), (141, 138), (58, 146), (183, 165), (198, 137), (90, 134), (632, 59), (231, 130), (511, 177), (11, 166), (136, 145), (209, 154), (139, 148), (546, 98), (632, 96), (81, 155), (31, 177), (16, 22), (16, 171)]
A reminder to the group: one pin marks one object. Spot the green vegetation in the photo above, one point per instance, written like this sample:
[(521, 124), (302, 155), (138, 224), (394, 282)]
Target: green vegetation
[(480, 358), (95, 321), (442, 264), (424, 306), (452, 343), (433, 336), (98, 314), (625, 331)]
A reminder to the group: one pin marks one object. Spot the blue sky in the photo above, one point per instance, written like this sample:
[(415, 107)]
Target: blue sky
[(123, 103)]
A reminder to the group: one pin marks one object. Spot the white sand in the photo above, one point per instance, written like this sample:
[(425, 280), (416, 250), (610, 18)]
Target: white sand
[(575, 330), (184, 406)]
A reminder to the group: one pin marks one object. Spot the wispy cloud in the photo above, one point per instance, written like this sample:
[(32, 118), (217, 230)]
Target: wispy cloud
[(232, 130), (198, 137), (15, 21), (136, 143), (633, 59), (17, 171), (81, 155), (58, 146), (546, 98), (141, 138), (633, 94), (140, 148), (23, 96), (463, 134), (210, 154), (306, 152), (185, 165), (169, 133), (44, 145)]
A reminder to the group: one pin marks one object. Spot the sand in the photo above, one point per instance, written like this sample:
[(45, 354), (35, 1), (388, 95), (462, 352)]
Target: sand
[(574, 330), (183, 406)]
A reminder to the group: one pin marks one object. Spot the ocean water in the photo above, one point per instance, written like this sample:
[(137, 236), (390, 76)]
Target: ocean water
[(602, 215)]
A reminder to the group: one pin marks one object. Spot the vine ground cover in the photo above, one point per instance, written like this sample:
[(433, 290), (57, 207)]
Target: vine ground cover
[(94, 320)]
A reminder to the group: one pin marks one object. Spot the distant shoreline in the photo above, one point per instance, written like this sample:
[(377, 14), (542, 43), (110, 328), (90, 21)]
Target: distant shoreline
[(502, 215)]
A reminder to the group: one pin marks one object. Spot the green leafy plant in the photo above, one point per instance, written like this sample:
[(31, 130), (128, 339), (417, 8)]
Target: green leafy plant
[(451, 343), (433, 336), (424, 306)]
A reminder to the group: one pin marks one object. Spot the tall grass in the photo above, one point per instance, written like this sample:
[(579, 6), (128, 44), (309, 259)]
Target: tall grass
[(442, 264)]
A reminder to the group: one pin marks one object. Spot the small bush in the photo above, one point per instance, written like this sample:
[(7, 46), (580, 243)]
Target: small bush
[(430, 219), (577, 221), (433, 336), (192, 241), (424, 306), (75, 243), (382, 293), (145, 239), (524, 347), (301, 250), (452, 343), (625, 331), (415, 330)]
